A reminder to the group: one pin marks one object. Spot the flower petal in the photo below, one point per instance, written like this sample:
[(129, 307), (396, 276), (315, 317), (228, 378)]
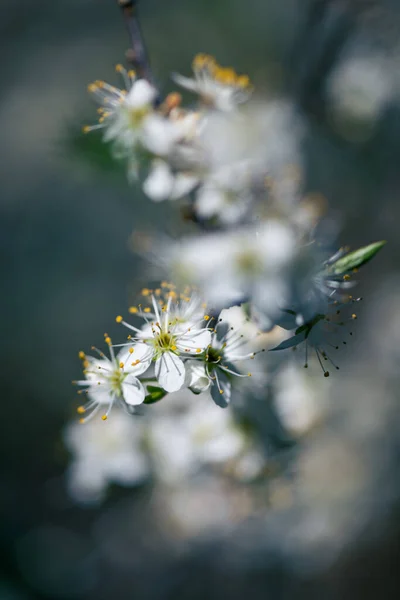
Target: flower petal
[(141, 353), (170, 372), (223, 399), (141, 94), (133, 390), (159, 183), (196, 377), (194, 342)]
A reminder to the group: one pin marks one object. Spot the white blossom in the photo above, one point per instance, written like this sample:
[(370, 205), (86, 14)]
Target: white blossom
[(166, 341), (218, 87), (111, 380), (105, 454)]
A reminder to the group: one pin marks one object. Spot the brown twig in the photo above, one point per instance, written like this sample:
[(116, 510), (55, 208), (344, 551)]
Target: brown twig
[(137, 54)]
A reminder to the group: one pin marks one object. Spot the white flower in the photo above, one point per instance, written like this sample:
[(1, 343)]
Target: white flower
[(226, 194), (217, 368), (165, 341), (105, 454), (180, 444), (217, 87), (114, 379), (130, 119), (231, 266), (297, 401)]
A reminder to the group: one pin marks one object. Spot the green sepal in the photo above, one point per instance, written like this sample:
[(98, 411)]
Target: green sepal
[(355, 259), (155, 394)]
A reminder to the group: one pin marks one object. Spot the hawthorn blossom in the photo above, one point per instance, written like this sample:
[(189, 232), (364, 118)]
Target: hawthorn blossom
[(218, 87), (111, 380), (164, 341)]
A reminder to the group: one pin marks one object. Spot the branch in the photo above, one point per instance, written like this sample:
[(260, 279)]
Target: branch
[(137, 54)]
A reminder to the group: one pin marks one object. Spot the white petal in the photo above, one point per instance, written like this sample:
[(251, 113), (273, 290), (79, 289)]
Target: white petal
[(159, 183), (209, 201), (159, 135), (170, 372), (196, 377), (186, 82), (199, 340), (223, 399), (133, 390), (184, 183), (141, 94), (142, 353)]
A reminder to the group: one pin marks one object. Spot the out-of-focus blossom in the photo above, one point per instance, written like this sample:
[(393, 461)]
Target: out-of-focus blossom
[(218, 87), (104, 454), (361, 87), (201, 434), (228, 267), (297, 399)]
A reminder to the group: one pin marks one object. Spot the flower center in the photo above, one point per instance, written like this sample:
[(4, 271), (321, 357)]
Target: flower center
[(115, 381), (165, 342), (136, 116)]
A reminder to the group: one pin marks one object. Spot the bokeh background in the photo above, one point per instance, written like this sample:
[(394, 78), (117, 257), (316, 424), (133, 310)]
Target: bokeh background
[(68, 268)]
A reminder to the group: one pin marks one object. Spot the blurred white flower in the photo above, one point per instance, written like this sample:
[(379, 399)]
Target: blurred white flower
[(110, 380), (132, 122), (361, 87), (298, 399), (203, 434), (105, 454), (218, 87), (226, 194), (228, 267), (163, 340)]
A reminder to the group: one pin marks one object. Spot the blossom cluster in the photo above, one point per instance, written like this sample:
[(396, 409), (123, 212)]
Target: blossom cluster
[(178, 345), (261, 245)]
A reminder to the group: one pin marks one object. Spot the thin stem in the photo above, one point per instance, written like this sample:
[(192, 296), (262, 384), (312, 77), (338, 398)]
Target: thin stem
[(138, 54)]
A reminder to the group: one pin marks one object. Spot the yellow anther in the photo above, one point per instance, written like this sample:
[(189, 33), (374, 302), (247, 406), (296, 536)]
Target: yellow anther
[(157, 292), (119, 68), (346, 277), (173, 348), (82, 355), (221, 391), (354, 316), (131, 350), (135, 362), (107, 340), (119, 319), (86, 129), (243, 81), (147, 309), (121, 365), (101, 120), (104, 417), (131, 73), (206, 317), (198, 350), (249, 374), (133, 310), (92, 87), (85, 364), (81, 421), (81, 410), (146, 292)]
